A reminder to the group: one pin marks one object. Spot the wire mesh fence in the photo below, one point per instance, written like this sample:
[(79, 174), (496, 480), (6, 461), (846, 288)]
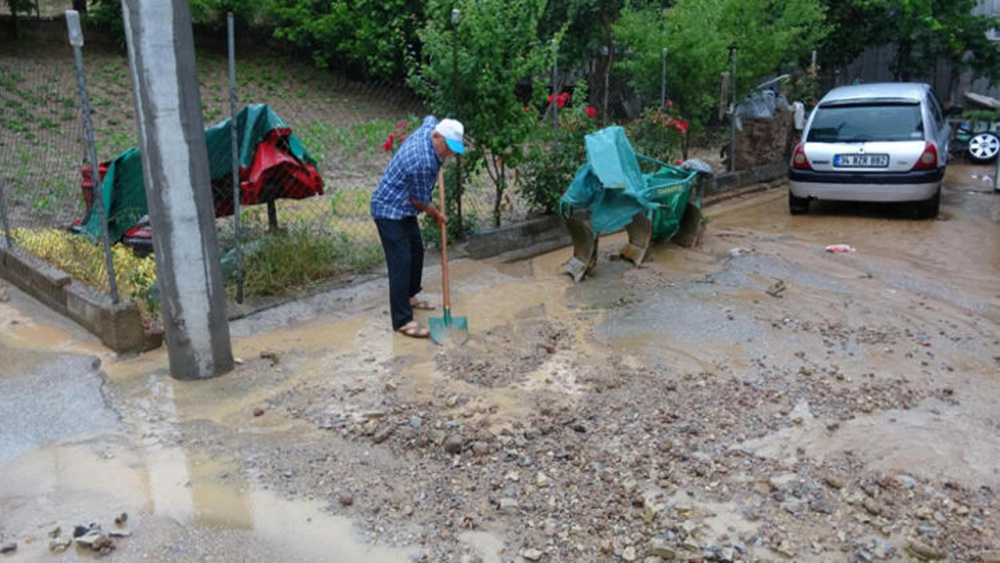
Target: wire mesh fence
[(307, 163)]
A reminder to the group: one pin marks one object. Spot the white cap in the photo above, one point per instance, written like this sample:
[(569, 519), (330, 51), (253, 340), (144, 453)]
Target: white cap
[(452, 131)]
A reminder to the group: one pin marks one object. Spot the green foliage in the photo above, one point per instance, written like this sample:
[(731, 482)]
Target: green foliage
[(472, 70), (374, 34), (456, 230), (922, 32), (550, 166), (658, 134), (299, 256), (698, 34)]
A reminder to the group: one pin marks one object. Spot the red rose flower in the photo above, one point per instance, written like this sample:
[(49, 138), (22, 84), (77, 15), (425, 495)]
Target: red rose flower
[(591, 112), (388, 144)]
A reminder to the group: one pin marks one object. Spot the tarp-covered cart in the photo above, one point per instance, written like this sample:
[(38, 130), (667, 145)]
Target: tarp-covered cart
[(273, 164), (611, 186)]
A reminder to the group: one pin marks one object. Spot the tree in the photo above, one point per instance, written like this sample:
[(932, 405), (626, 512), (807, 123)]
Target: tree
[(493, 48), (698, 34), (922, 32), (374, 34), (19, 7)]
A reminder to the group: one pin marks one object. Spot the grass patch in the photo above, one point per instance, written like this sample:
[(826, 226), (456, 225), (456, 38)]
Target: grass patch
[(297, 257)]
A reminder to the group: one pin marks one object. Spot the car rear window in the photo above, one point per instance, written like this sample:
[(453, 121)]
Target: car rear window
[(867, 122)]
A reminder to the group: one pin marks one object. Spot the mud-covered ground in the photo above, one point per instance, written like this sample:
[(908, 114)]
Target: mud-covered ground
[(753, 399)]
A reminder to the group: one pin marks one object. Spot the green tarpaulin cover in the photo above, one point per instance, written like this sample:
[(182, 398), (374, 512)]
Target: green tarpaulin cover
[(612, 186), (124, 191)]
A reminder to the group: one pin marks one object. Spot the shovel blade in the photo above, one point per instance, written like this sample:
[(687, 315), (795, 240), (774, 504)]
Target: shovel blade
[(449, 329), (584, 248), (691, 228), (640, 237)]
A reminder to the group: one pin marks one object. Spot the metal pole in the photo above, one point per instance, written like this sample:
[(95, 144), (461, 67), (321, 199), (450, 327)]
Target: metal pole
[(238, 235), (3, 217), (555, 96), (732, 128), (996, 178), (76, 40), (456, 15), (663, 80)]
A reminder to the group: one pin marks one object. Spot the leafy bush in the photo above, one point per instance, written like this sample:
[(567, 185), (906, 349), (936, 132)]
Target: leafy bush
[(84, 261), (370, 33), (658, 134), (472, 70), (549, 167)]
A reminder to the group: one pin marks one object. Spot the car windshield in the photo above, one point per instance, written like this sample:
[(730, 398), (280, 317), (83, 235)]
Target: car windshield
[(867, 122)]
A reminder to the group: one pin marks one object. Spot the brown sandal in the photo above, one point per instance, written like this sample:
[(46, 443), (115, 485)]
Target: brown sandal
[(422, 305), (413, 330)]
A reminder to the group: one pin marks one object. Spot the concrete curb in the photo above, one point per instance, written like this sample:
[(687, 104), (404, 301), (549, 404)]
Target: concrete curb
[(118, 326)]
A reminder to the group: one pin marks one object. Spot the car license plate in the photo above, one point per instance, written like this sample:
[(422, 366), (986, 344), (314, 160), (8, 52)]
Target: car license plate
[(861, 160)]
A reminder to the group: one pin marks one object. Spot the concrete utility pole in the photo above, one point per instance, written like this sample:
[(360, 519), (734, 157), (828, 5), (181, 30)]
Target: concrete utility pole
[(175, 171)]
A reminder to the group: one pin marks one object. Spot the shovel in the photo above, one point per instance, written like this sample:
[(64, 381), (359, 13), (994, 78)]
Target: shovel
[(446, 328)]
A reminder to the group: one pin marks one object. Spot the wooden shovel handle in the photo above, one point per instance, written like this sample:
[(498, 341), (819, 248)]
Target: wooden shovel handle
[(444, 245)]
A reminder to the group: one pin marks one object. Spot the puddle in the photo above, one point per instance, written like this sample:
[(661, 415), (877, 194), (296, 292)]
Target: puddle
[(70, 484)]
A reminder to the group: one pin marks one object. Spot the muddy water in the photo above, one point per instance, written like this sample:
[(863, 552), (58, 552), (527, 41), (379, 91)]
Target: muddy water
[(916, 302)]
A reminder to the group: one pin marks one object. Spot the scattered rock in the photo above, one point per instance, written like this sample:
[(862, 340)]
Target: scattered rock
[(923, 551), (345, 500), (785, 548), (542, 481), (532, 555), (629, 554), (258, 411), (454, 444), (833, 481), (508, 505), (383, 433), (121, 519), (659, 547), (59, 544), (8, 547)]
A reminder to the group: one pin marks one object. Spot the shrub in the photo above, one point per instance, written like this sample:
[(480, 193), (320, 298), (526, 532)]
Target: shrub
[(84, 261), (550, 166)]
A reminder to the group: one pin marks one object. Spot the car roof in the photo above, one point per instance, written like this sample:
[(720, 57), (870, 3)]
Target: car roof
[(887, 91)]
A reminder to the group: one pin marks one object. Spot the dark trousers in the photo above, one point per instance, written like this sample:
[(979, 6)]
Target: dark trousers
[(404, 255)]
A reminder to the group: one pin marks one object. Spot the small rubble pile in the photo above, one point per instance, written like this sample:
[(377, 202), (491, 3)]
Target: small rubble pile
[(91, 537)]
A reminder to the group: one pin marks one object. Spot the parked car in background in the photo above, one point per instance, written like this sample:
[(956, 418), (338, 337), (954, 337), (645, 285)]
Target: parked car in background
[(872, 142)]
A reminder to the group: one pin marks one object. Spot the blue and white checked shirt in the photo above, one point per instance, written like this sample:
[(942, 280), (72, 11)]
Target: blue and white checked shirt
[(411, 174)]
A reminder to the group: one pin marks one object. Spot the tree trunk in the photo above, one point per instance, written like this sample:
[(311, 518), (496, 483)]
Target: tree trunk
[(501, 186), (609, 61), (458, 197)]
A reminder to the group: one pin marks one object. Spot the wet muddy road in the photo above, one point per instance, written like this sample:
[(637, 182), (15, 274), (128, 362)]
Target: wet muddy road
[(753, 399)]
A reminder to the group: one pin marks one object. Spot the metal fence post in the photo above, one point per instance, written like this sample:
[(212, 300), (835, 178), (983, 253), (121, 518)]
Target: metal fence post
[(555, 96), (663, 80), (732, 131), (237, 234), (3, 217), (76, 40)]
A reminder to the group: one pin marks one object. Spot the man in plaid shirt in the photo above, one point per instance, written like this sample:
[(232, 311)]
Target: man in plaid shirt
[(404, 192)]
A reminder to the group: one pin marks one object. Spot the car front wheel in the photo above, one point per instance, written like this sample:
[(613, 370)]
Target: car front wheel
[(984, 147), (797, 205)]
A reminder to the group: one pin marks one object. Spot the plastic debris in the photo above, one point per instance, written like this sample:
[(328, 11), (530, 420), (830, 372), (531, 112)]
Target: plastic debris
[(838, 248), (740, 251)]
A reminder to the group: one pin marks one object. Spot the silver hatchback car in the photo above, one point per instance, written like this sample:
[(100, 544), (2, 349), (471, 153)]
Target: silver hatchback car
[(872, 142)]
